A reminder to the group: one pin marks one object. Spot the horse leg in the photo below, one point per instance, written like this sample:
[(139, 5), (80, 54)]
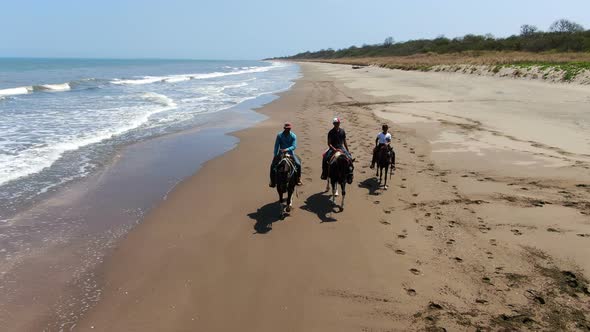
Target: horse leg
[(281, 203), (327, 185), (386, 172), (343, 185), (380, 173), (290, 200)]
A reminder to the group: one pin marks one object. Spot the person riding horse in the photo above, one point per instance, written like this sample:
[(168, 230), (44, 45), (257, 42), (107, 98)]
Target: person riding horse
[(286, 141), (383, 139), (336, 141)]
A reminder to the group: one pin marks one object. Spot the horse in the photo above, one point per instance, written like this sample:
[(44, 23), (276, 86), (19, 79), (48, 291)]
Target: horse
[(340, 169), (286, 181), (385, 157)]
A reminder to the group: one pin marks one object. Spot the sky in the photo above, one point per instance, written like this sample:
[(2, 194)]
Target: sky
[(233, 29)]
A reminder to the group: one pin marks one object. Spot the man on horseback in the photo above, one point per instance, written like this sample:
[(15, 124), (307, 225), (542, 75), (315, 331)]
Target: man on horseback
[(336, 141), (383, 139), (286, 141)]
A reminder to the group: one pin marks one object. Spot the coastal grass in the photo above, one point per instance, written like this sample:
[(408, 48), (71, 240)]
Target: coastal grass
[(570, 64)]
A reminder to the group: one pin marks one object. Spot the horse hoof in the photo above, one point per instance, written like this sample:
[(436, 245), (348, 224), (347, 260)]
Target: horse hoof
[(288, 209)]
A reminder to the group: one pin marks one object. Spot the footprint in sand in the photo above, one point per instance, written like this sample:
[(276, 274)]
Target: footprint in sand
[(415, 195), (402, 186), (458, 259), (402, 236), (411, 292), (429, 228), (451, 241), (481, 301), (376, 202), (384, 222), (486, 280), (583, 235), (516, 232), (400, 252), (452, 223), (553, 230), (484, 228), (415, 271), (493, 242)]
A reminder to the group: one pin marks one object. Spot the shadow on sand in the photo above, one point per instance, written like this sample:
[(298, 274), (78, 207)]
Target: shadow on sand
[(265, 216), (321, 205), (371, 184)]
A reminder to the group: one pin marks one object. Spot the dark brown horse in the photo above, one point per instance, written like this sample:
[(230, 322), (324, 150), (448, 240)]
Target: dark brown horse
[(286, 181), (340, 171), (385, 160)]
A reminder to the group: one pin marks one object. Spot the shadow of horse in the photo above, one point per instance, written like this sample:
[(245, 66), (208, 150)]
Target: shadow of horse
[(321, 205), (372, 184), (265, 217)]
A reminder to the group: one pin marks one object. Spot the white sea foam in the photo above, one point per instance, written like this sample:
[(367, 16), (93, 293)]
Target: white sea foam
[(23, 90), (186, 77), (175, 79), (54, 87), (35, 159), (159, 99), (144, 80)]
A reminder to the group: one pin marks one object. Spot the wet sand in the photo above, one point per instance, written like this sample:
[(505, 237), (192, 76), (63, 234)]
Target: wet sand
[(486, 223)]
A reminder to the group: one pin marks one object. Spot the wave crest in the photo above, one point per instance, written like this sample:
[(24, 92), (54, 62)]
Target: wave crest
[(23, 90)]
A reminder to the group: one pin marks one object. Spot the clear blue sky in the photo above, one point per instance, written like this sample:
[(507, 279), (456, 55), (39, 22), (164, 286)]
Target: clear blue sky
[(232, 29)]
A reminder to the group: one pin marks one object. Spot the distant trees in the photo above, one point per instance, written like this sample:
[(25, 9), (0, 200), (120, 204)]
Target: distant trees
[(563, 36), (564, 25), (527, 30)]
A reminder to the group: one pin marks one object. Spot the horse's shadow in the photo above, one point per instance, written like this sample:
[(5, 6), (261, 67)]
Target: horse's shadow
[(265, 217), (372, 184), (321, 205)]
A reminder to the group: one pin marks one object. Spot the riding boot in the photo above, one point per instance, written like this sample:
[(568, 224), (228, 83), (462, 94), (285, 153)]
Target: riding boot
[(298, 175)]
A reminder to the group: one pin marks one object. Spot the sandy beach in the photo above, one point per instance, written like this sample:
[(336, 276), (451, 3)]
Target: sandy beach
[(486, 224)]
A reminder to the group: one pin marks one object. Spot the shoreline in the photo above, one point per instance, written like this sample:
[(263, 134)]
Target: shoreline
[(92, 214), (204, 260)]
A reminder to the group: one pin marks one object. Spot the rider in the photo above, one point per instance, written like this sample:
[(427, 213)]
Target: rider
[(336, 141), (286, 141), (383, 138)]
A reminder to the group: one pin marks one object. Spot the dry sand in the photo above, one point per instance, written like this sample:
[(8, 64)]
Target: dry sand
[(486, 224)]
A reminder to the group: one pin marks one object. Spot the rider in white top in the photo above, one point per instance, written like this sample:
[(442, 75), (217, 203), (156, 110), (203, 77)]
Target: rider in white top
[(383, 138)]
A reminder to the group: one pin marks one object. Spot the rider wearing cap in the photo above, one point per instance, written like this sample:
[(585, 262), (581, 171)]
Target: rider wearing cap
[(336, 141), (383, 138), (286, 141)]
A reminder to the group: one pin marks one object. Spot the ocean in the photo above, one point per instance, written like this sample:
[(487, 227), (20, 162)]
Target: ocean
[(62, 119), (88, 147)]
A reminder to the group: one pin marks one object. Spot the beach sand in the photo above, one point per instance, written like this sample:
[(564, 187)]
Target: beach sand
[(486, 223)]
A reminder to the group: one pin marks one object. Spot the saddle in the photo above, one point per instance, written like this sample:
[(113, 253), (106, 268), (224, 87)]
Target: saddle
[(337, 153)]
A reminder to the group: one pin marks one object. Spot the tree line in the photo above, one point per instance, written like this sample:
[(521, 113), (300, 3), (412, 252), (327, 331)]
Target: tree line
[(562, 36)]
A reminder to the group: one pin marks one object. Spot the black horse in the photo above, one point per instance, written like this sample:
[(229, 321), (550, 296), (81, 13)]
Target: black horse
[(286, 180), (385, 159), (340, 169)]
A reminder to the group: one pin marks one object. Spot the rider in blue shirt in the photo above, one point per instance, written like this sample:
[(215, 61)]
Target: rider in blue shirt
[(286, 141)]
